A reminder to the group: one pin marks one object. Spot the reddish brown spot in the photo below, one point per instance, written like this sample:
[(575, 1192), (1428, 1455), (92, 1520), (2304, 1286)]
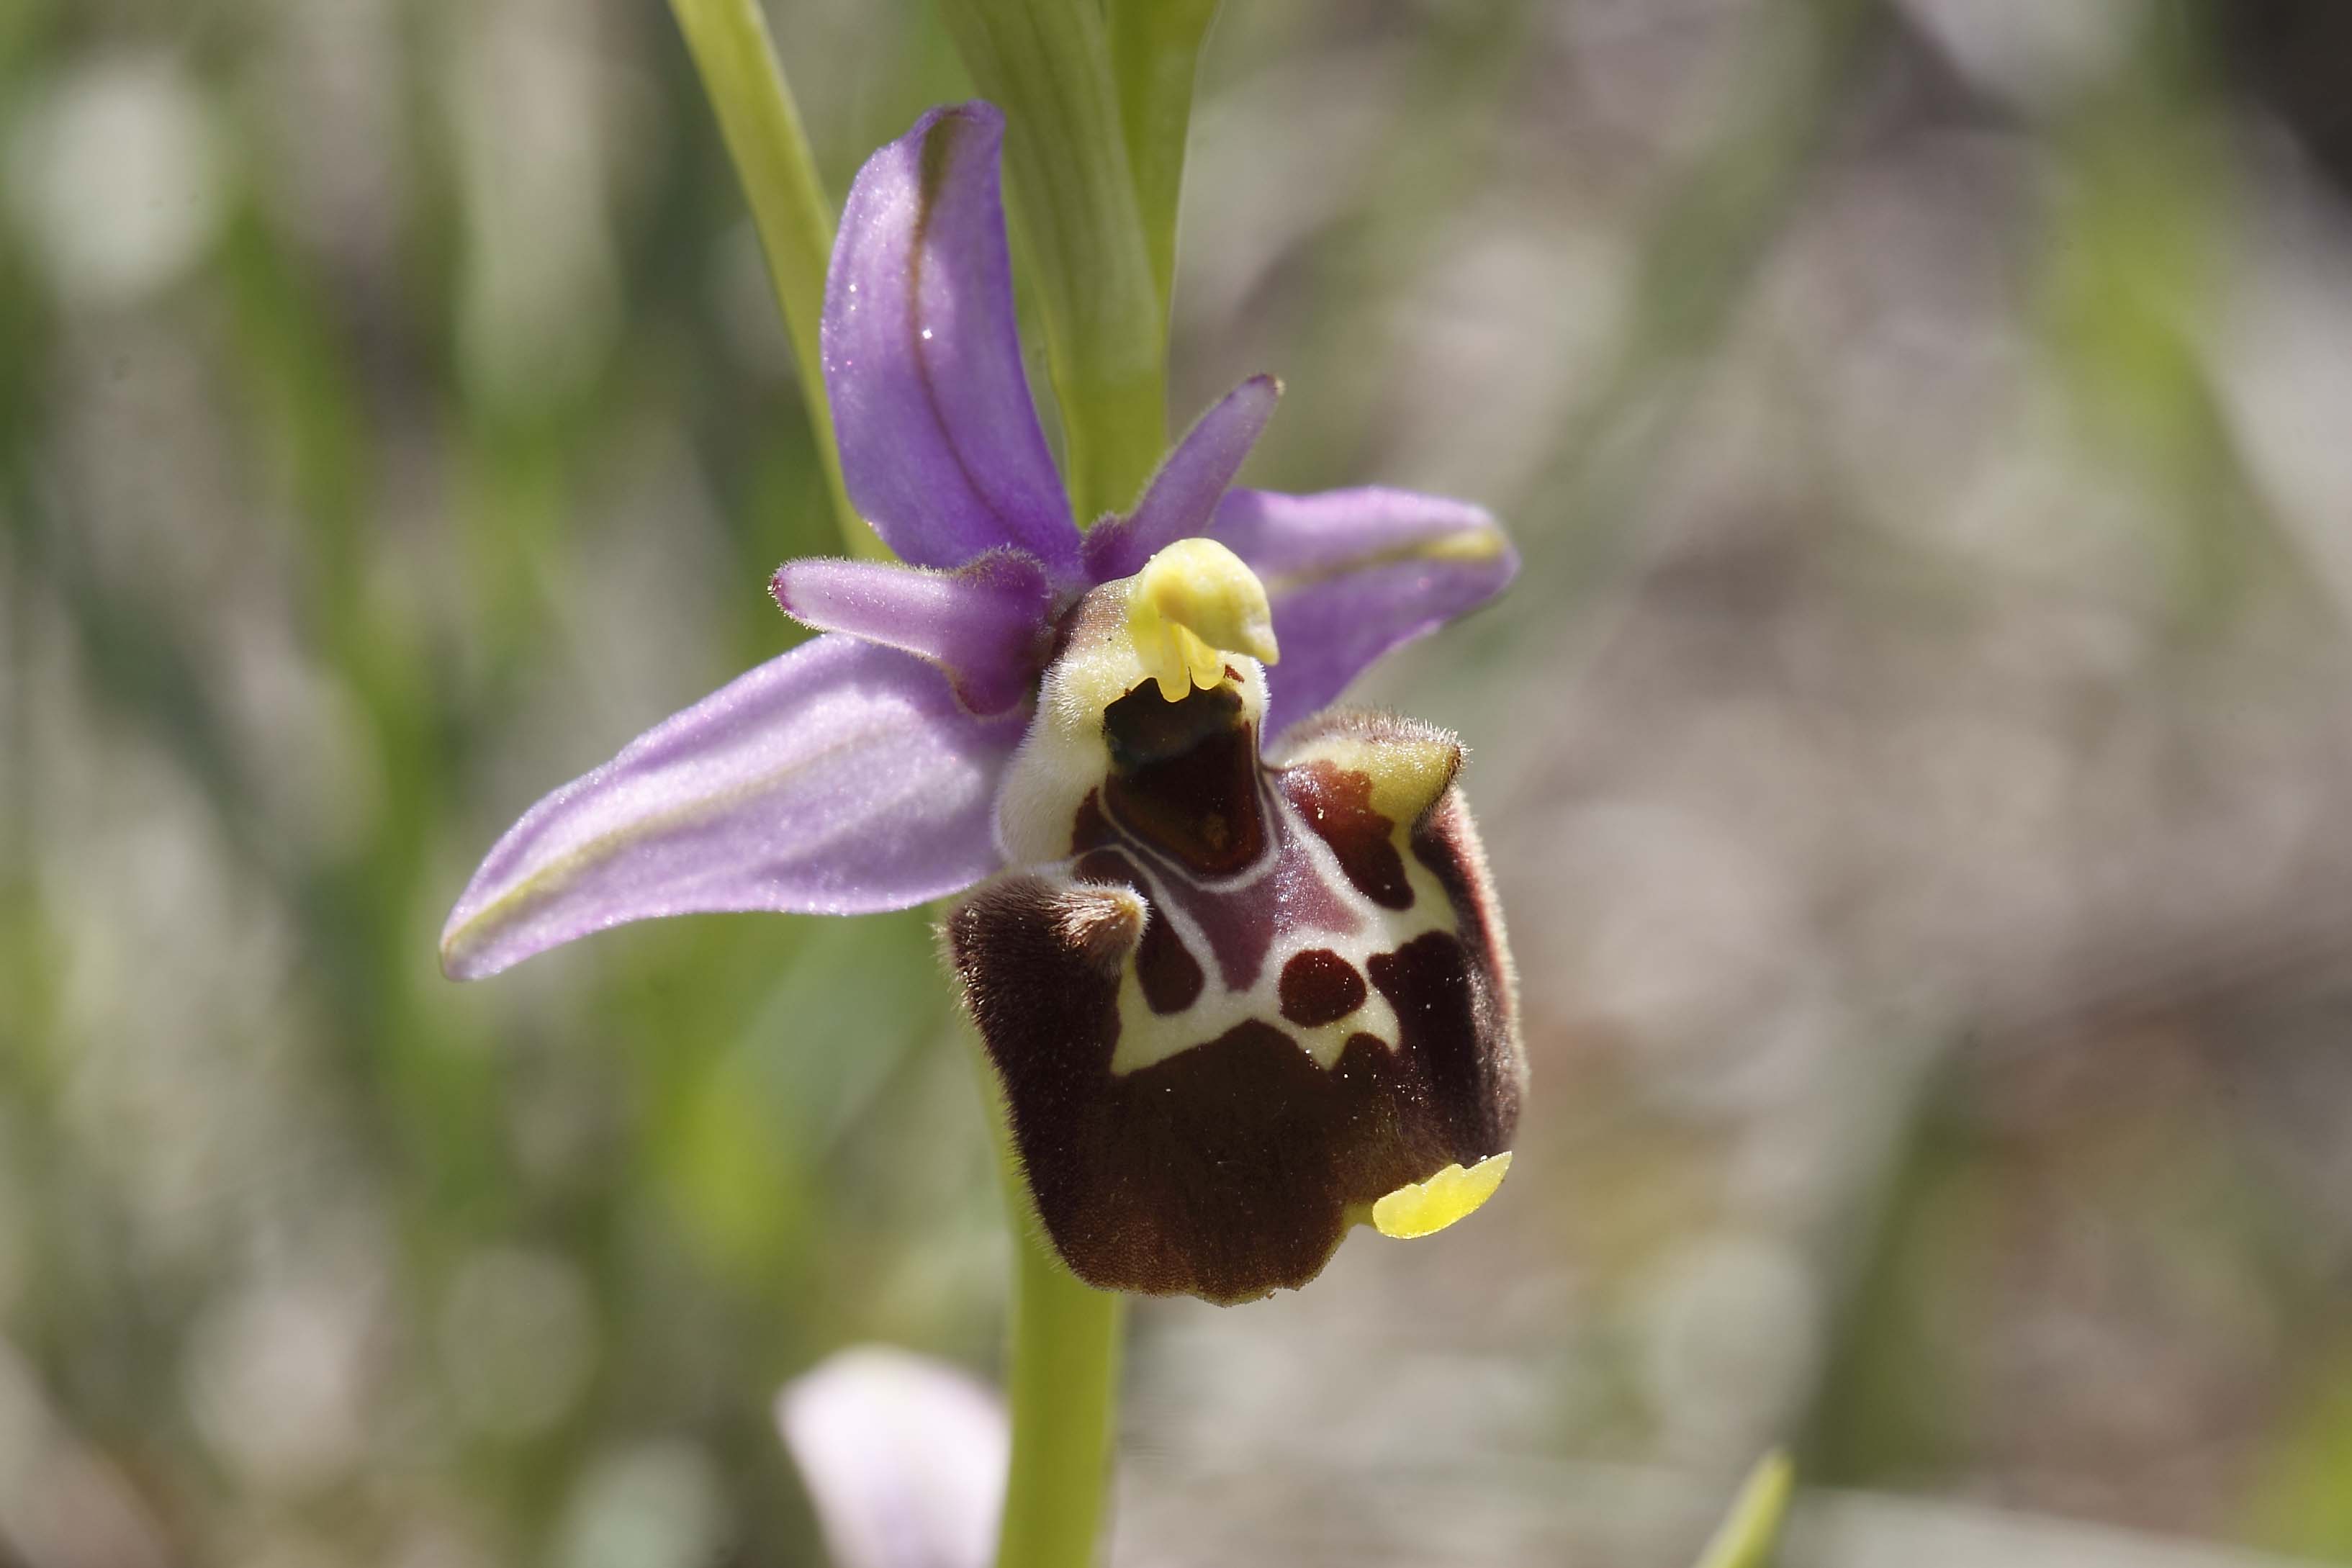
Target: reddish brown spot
[(1171, 976), (1338, 804), (1318, 986)]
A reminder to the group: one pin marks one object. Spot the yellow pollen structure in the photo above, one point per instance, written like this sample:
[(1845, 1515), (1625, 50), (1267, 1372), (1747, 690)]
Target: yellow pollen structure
[(1425, 1208), (1193, 603)]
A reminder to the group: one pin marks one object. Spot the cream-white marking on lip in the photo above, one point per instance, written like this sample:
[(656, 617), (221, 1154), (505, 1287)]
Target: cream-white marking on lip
[(1146, 1038)]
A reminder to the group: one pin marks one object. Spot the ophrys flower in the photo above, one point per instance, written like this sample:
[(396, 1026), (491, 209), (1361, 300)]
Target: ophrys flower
[(1236, 1003)]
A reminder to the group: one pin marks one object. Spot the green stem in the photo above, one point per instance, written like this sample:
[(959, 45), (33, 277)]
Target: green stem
[(1064, 1388), (1061, 1380), (730, 42)]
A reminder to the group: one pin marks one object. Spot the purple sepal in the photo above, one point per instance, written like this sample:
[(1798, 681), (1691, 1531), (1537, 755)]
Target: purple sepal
[(840, 778), (1352, 573), (939, 441), (987, 624), (1182, 496), (903, 1458)]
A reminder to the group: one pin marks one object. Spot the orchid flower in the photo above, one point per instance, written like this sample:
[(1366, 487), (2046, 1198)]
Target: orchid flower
[(1237, 1003)]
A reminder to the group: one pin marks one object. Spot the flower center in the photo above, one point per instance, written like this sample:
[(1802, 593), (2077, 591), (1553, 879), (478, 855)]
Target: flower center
[(1159, 683)]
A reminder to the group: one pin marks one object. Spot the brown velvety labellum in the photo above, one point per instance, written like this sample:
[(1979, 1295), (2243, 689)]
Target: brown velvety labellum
[(1229, 1161), (1229, 1170)]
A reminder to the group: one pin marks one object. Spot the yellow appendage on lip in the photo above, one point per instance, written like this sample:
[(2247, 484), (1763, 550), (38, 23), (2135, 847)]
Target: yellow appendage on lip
[(1190, 604), (1424, 1208)]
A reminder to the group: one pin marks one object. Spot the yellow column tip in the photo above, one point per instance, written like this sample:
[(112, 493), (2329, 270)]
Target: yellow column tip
[(1191, 600), (1424, 1208)]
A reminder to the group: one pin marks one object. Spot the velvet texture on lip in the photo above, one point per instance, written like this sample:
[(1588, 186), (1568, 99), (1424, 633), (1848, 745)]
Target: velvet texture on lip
[(986, 712)]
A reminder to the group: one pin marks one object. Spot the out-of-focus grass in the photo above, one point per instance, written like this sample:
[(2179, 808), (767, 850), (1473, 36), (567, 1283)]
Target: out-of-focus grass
[(457, 446)]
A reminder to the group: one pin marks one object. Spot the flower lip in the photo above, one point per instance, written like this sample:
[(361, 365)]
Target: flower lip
[(1239, 1008)]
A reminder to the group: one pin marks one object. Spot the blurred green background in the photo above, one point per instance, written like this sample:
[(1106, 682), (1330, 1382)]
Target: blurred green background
[(1916, 761)]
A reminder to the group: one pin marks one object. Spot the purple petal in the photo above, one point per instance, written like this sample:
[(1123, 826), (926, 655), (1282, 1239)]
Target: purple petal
[(904, 1457), (837, 779), (939, 441), (1352, 573), (985, 625), (1182, 496)]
